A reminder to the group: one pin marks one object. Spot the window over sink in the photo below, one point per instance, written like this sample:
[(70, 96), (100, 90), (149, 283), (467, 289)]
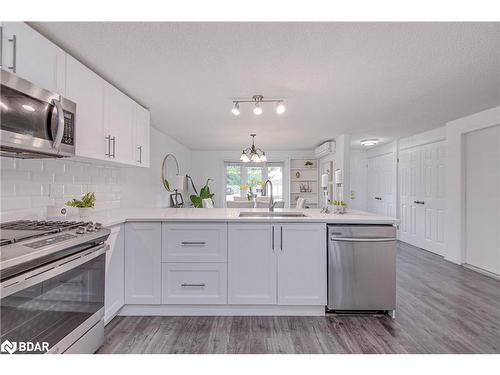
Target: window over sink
[(244, 180)]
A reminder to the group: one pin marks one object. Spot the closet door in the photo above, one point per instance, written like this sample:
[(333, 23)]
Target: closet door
[(431, 196), (381, 195), (409, 168), (482, 173)]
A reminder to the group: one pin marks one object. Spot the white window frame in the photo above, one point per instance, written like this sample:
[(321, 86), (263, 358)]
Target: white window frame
[(244, 175)]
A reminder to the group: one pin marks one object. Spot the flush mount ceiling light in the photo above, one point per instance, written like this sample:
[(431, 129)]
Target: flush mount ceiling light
[(253, 154), (257, 101), (369, 142)]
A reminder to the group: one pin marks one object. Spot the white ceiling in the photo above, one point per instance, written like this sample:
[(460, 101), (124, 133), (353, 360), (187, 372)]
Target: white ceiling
[(382, 80)]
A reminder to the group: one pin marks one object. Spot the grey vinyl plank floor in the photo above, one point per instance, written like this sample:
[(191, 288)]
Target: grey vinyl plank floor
[(441, 308)]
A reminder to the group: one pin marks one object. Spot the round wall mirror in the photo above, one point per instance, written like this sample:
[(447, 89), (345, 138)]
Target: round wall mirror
[(170, 173)]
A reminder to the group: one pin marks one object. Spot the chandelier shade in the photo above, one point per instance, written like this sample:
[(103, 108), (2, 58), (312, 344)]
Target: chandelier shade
[(253, 154)]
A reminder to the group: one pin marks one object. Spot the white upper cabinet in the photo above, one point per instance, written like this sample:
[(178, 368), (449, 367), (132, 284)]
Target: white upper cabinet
[(141, 136), (86, 89), (31, 56), (119, 124), (302, 264)]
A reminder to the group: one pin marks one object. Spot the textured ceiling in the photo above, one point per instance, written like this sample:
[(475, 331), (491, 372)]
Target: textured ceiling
[(381, 80)]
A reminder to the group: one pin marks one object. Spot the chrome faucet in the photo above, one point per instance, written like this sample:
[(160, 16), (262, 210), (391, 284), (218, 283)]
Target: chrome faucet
[(272, 203)]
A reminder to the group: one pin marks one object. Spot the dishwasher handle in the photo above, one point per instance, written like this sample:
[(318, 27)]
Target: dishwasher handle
[(345, 239)]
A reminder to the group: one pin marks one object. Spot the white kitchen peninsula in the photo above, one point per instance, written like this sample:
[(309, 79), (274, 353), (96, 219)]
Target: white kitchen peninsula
[(214, 262)]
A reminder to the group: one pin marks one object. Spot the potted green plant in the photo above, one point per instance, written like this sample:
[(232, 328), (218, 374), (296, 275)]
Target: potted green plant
[(205, 193), (84, 205), (309, 164)]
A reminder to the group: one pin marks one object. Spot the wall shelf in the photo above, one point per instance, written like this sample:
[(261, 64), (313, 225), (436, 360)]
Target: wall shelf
[(301, 175)]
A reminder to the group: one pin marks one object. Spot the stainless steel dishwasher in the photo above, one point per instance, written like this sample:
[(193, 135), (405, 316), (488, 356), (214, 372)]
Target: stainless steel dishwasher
[(362, 268)]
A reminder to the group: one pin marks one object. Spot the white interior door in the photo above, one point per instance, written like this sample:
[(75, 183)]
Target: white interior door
[(482, 196), (432, 195), (409, 166), (422, 194), (381, 185)]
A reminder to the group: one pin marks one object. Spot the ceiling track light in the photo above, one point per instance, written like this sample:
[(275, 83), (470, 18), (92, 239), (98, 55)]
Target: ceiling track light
[(257, 101), (253, 154)]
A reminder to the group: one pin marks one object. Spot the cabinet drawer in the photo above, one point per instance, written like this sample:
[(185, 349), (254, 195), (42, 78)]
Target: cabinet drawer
[(194, 283), (194, 243)]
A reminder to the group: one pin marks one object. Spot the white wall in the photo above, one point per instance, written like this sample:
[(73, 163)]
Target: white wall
[(455, 178), (210, 164), (28, 186), (142, 186)]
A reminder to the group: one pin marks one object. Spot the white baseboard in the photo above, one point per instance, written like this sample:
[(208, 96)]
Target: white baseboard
[(481, 271), (221, 310)]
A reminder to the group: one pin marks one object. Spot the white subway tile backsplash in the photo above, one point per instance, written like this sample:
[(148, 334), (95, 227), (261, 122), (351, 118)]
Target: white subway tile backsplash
[(28, 186)]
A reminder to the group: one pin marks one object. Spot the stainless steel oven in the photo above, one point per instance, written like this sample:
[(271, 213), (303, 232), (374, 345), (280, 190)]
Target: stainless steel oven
[(57, 307), (34, 122)]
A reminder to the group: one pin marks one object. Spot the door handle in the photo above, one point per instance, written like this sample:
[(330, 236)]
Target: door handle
[(14, 53), (272, 231), (114, 146), (419, 202), (378, 198), (140, 154), (281, 238), (60, 124), (108, 153), (193, 243)]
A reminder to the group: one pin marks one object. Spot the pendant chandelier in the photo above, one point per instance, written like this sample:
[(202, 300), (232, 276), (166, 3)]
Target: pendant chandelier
[(252, 154)]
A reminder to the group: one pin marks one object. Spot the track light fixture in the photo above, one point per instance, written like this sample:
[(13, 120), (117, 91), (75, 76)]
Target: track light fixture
[(257, 101)]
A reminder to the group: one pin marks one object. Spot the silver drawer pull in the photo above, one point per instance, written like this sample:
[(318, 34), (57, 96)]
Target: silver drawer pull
[(202, 285), (193, 243)]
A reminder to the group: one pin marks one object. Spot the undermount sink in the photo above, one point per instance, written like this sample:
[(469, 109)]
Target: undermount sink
[(272, 214)]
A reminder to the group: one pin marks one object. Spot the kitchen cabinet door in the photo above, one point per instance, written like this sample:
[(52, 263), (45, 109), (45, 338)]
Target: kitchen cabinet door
[(119, 124), (31, 56), (141, 136), (86, 89), (142, 263), (251, 264), (301, 264), (115, 273)]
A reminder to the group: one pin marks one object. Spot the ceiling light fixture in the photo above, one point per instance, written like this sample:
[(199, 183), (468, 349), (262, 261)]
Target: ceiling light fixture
[(280, 108), (236, 109), (369, 142), (257, 101), (253, 154)]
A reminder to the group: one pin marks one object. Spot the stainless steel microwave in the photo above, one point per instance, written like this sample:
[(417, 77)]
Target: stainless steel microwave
[(34, 122)]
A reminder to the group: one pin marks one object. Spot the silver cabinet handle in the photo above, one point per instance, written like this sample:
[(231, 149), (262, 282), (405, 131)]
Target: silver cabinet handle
[(60, 124), (140, 154), (14, 53), (281, 238), (201, 285), (1, 46), (272, 229), (193, 243), (113, 138), (108, 153), (341, 239)]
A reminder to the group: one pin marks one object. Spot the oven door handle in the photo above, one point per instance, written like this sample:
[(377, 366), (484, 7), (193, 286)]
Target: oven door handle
[(59, 124), (50, 270)]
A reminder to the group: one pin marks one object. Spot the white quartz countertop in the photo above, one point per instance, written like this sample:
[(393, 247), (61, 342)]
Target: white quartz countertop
[(118, 216)]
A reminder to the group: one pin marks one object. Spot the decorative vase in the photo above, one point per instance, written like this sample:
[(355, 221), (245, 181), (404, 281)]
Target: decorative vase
[(85, 213)]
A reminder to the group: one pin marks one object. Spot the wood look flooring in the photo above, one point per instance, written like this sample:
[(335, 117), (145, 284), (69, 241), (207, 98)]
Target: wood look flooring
[(441, 308)]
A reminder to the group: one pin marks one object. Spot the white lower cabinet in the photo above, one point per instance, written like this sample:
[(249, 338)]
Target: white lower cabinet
[(194, 283), (115, 273), (143, 263), (302, 265), (281, 264)]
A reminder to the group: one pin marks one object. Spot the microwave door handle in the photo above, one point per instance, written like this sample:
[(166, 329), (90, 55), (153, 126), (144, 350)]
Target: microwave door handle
[(59, 123)]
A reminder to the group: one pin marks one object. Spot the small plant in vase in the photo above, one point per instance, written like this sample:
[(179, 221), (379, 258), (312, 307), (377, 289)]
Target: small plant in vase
[(340, 206), (309, 164), (84, 205)]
